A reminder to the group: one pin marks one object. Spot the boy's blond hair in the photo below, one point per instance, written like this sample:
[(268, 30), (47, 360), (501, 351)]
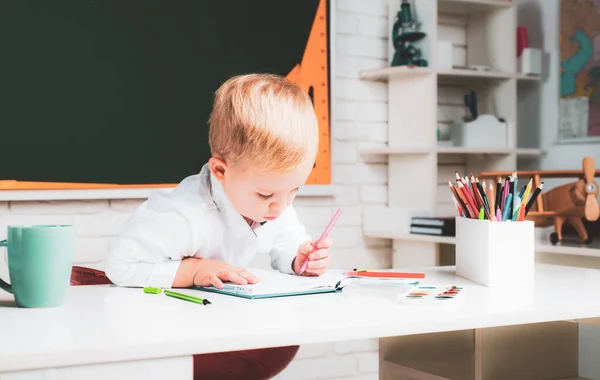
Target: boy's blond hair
[(263, 119)]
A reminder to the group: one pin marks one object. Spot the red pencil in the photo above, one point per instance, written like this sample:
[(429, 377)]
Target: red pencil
[(384, 274), (467, 194), (462, 207), (470, 212), (323, 235)]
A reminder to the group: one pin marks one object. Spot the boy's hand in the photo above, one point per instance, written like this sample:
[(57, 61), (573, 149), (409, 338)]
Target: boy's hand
[(214, 272), (318, 260)]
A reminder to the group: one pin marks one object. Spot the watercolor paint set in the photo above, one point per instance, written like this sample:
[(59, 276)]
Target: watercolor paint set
[(432, 294)]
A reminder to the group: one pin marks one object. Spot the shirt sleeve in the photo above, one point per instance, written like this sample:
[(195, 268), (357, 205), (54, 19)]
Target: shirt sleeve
[(151, 246), (290, 234)]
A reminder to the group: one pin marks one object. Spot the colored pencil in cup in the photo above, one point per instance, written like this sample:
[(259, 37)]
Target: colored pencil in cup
[(492, 202), (459, 211), (534, 196), (511, 191), (469, 211), (515, 215), (498, 195), (521, 216), (460, 201), (323, 236), (506, 213), (516, 204), (469, 198), (484, 200), (525, 196), (505, 194)]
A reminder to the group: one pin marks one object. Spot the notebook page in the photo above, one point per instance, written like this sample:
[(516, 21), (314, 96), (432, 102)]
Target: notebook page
[(273, 282)]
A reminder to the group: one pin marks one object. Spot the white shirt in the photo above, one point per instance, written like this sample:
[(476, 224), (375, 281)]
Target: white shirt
[(196, 219)]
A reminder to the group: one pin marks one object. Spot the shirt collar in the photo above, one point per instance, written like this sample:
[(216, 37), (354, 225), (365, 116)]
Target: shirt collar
[(233, 220)]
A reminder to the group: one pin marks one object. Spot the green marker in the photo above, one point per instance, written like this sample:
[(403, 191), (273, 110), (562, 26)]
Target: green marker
[(481, 214), (181, 296)]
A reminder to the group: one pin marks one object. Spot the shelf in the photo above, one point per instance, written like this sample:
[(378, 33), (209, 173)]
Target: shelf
[(529, 152), (472, 6), (473, 74), (528, 78), (385, 73), (395, 72), (469, 150), (593, 251), (411, 237), (449, 150), (396, 150)]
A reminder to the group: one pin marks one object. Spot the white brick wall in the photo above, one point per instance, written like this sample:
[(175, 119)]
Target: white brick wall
[(359, 120), (96, 222)]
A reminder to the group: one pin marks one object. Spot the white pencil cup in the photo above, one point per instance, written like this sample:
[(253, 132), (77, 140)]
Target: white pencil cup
[(495, 253)]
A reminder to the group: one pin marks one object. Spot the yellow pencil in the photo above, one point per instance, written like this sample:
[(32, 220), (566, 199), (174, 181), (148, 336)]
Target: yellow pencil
[(526, 194)]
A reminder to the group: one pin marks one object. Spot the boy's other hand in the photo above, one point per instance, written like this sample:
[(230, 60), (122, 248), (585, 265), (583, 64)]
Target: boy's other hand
[(318, 260), (214, 272)]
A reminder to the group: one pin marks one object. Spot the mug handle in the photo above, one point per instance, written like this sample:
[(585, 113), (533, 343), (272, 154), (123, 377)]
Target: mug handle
[(3, 284)]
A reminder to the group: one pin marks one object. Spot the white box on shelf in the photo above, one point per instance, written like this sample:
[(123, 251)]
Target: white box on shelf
[(495, 253), (484, 132), (530, 62), (444, 54)]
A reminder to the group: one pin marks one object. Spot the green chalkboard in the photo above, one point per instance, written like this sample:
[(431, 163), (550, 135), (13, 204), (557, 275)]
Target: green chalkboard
[(120, 91)]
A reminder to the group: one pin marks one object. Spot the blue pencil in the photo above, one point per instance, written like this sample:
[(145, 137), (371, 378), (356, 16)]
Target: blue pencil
[(516, 214), (507, 207)]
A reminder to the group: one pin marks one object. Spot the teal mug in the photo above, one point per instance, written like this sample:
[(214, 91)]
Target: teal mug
[(40, 259)]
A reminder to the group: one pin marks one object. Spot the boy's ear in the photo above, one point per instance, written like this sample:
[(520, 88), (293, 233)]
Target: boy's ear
[(217, 167)]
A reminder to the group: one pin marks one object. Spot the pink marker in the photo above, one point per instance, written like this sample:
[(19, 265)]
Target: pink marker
[(498, 214), (323, 236)]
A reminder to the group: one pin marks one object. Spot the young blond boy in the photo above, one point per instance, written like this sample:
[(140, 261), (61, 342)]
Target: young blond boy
[(263, 137)]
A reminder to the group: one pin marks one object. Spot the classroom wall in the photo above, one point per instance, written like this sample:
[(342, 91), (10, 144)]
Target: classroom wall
[(359, 119)]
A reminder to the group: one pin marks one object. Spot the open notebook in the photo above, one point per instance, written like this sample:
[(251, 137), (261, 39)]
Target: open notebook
[(276, 284)]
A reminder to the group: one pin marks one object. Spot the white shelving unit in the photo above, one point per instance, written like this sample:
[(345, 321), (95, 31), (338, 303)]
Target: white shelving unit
[(498, 353), (483, 34)]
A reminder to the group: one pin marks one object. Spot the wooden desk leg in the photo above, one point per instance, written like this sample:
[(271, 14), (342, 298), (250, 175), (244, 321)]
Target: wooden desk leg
[(152, 369)]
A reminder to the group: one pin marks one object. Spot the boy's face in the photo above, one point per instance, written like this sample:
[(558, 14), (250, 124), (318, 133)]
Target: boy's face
[(258, 195)]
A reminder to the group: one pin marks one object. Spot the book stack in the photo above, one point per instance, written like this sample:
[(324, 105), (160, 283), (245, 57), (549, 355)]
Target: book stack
[(438, 226)]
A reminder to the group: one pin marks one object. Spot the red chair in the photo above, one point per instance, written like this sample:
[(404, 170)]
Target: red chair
[(259, 364)]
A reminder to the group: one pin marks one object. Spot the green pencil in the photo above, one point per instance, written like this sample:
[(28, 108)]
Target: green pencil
[(187, 297), (181, 296)]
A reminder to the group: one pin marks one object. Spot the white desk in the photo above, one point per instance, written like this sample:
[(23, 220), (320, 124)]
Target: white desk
[(102, 326)]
